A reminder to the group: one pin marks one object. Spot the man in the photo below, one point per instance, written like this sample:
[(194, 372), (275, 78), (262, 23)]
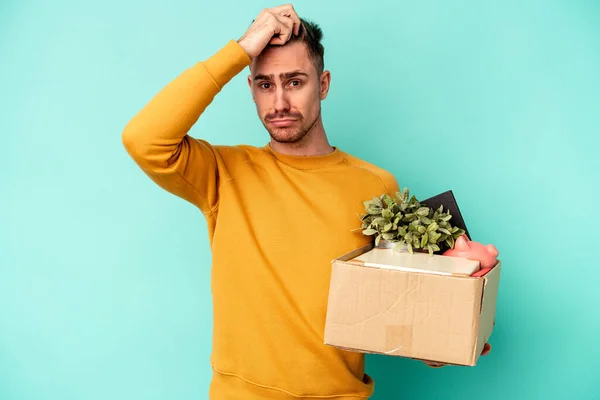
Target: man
[(277, 215)]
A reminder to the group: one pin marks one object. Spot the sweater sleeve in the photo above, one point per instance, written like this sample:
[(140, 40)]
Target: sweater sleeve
[(157, 137)]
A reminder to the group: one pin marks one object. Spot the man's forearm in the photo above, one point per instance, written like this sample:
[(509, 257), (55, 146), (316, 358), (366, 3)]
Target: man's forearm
[(153, 135)]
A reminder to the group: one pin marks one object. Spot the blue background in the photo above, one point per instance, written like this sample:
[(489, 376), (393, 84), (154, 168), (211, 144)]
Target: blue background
[(104, 277)]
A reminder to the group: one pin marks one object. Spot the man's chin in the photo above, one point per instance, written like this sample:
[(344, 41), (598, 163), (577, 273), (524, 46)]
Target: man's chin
[(283, 136)]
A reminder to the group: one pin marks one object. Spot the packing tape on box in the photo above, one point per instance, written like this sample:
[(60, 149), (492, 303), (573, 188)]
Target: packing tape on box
[(398, 339)]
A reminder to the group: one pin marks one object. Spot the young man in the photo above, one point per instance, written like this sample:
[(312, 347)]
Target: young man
[(277, 215)]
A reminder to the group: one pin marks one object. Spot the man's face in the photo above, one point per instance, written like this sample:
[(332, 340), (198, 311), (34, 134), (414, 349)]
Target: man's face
[(287, 91)]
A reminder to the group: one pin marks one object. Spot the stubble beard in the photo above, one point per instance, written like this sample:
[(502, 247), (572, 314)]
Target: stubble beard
[(291, 135)]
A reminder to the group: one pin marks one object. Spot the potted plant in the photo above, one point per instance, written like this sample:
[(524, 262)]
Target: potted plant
[(406, 222)]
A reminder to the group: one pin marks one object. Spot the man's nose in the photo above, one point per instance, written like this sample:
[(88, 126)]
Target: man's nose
[(282, 103)]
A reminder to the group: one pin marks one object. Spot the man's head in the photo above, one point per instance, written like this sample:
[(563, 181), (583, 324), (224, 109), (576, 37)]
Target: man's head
[(288, 84)]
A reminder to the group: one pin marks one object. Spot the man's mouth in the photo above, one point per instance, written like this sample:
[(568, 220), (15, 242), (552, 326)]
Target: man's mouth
[(282, 122)]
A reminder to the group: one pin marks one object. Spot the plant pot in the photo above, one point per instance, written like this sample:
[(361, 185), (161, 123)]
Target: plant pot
[(386, 244)]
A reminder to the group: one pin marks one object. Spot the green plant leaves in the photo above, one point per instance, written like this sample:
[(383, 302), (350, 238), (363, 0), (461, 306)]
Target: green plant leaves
[(379, 221), (416, 242), (405, 220), (378, 202), (388, 200), (389, 235), (387, 214), (423, 211)]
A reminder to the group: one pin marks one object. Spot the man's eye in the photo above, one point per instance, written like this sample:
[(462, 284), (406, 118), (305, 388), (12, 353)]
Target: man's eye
[(265, 85), (296, 83)]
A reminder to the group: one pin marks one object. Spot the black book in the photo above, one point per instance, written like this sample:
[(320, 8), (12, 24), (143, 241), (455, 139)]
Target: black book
[(448, 200)]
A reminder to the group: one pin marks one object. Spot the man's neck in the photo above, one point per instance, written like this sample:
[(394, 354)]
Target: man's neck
[(315, 143)]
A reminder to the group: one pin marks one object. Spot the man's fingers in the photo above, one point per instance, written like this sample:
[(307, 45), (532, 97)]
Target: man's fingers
[(436, 365), (296, 20), (297, 25), (289, 24), (486, 349), (272, 26), (287, 10), (283, 30)]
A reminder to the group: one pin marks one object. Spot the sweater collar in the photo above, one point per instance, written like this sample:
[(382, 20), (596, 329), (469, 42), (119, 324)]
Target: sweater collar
[(308, 162)]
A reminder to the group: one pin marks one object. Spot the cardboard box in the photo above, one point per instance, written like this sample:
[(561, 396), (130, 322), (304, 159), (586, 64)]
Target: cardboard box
[(410, 314)]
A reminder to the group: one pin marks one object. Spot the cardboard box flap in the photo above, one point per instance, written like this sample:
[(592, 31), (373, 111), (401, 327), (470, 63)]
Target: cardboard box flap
[(355, 253)]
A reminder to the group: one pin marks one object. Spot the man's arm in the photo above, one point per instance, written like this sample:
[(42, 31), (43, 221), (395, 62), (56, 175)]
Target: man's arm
[(157, 137)]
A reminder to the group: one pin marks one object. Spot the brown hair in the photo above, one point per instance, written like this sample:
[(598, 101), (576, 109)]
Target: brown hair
[(311, 35)]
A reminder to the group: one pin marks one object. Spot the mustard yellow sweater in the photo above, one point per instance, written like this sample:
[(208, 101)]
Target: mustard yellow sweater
[(275, 223)]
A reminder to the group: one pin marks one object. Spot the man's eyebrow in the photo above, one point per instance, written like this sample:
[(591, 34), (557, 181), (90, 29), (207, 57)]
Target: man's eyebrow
[(285, 75), (293, 74)]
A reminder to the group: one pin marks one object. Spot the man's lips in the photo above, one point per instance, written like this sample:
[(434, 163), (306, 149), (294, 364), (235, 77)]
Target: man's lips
[(282, 122)]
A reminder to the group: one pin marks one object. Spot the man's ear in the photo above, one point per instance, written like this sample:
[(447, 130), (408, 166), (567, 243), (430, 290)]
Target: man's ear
[(250, 86), (325, 84)]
